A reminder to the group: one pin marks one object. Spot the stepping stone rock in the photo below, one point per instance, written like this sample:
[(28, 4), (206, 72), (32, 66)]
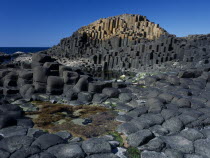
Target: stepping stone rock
[(174, 125), (13, 131), (193, 156), (110, 155), (206, 132), (158, 130), (63, 134), (66, 151), (123, 118), (4, 154), (192, 134), (47, 140), (99, 98), (25, 152), (139, 138), (155, 144), (43, 155), (202, 147), (179, 143), (96, 146), (183, 103), (152, 154), (125, 97), (11, 144), (127, 128), (111, 92), (171, 153)]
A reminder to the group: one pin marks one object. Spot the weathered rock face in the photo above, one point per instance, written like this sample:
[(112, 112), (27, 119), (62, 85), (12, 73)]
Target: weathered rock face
[(131, 42)]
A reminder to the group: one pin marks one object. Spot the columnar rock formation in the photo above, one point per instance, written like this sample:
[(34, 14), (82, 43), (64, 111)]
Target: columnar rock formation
[(130, 42)]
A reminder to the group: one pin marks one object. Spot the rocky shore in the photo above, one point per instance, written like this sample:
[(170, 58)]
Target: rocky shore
[(162, 115), (52, 108)]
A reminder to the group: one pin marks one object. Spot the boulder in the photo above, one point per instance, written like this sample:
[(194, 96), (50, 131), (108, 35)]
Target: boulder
[(139, 138), (95, 87), (85, 96), (51, 65), (179, 143), (11, 144), (47, 140), (27, 91), (66, 151), (111, 92), (96, 146), (6, 121), (63, 68), (40, 74), (70, 77), (41, 58), (82, 84), (55, 85), (99, 98)]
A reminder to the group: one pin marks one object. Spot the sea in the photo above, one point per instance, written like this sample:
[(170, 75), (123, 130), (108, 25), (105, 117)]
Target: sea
[(11, 50)]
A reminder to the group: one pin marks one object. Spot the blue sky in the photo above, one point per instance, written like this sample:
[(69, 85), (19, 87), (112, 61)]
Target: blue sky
[(44, 22)]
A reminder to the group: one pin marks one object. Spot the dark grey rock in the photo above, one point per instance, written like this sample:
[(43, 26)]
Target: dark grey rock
[(206, 132), (137, 112), (81, 85), (152, 154), (184, 103), (123, 118), (55, 85), (111, 92), (25, 152), (109, 155), (40, 74), (99, 98), (96, 146), (95, 87), (85, 96), (123, 107), (70, 77), (139, 138), (169, 113), (155, 144), (64, 134), (174, 125), (47, 140), (4, 154), (13, 131), (202, 147), (125, 97), (127, 128), (192, 134), (25, 123), (11, 144), (171, 153), (193, 156), (6, 121), (43, 155), (186, 119), (155, 105), (179, 143), (158, 130), (33, 132), (66, 151), (166, 96)]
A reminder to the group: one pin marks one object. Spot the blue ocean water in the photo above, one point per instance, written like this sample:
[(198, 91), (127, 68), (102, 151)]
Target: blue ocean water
[(11, 50)]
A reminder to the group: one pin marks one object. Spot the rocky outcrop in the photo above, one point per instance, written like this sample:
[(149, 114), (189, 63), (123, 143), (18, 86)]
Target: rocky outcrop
[(132, 43)]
